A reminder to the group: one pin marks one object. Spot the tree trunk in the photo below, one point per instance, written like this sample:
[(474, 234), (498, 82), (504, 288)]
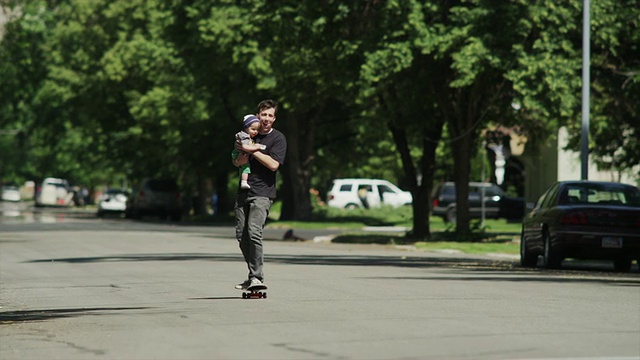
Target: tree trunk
[(224, 203), (420, 191), (464, 122), (428, 169), (296, 173), (420, 212), (461, 154), (203, 198)]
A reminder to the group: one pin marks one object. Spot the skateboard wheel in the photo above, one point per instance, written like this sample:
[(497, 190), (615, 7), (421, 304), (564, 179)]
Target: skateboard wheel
[(264, 295), (244, 295)]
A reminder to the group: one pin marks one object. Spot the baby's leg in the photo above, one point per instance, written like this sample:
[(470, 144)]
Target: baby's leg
[(244, 181)]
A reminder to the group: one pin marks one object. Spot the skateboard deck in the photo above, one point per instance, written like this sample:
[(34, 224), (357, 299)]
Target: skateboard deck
[(255, 292)]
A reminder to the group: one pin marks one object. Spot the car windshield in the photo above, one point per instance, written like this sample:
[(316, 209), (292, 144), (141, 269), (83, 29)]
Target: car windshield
[(603, 194), (163, 185), (489, 190), (448, 190)]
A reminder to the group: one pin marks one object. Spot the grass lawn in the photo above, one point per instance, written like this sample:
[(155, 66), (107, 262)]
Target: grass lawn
[(511, 248), (497, 236)]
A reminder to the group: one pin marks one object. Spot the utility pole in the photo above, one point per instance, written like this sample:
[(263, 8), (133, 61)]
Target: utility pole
[(586, 82), (482, 180)]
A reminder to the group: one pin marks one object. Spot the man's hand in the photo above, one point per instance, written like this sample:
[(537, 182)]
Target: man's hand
[(248, 148)]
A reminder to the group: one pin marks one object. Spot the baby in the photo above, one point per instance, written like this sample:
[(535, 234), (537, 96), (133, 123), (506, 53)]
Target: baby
[(250, 128)]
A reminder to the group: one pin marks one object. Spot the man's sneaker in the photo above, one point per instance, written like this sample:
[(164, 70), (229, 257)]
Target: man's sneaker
[(244, 185), (256, 284), (244, 285)]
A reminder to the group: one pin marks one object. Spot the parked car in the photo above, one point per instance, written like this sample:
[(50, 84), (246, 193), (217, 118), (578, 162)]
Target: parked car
[(497, 204), (54, 192), (583, 220), (158, 197), (11, 193), (113, 201), (368, 193)]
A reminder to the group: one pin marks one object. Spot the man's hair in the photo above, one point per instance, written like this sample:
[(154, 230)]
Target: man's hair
[(267, 104)]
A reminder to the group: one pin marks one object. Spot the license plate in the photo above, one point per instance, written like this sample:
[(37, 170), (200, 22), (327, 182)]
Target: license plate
[(611, 242)]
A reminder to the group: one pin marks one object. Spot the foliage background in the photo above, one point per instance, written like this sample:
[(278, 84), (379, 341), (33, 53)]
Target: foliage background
[(105, 92)]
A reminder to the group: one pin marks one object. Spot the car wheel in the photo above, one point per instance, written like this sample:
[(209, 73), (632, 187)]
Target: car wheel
[(100, 214), (552, 259), (351, 206), (622, 265), (527, 259), (451, 215), (135, 214)]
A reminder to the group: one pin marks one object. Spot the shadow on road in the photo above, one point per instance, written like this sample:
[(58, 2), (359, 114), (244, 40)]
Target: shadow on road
[(9, 317), (482, 269), (218, 298)]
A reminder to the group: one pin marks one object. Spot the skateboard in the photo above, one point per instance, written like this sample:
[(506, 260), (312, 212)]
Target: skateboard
[(255, 292)]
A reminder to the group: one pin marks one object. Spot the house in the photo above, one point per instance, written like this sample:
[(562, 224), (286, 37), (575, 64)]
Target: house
[(551, 163)]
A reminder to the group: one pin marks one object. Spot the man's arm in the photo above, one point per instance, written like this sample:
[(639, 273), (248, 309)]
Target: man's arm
[(248, 148), (266, 160), (253, 147)]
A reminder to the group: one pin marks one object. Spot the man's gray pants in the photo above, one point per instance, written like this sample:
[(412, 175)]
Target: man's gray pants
[(251, 215)]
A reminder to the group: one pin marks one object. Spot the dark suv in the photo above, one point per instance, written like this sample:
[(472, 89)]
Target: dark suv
[(497, 203), (160, 197)]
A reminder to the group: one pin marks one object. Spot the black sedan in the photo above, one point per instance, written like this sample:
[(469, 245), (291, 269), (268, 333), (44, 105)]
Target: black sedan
[(583, 220)]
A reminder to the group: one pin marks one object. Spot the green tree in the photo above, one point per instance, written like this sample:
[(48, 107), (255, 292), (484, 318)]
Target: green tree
[(300, 55), (547, 80), (442, 63), (615, 86), (95, 90), (124, 89), (398, 88), (22, 71)]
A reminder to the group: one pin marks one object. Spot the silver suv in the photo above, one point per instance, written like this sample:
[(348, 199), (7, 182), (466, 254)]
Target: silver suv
[(54, 192), (159, 197)]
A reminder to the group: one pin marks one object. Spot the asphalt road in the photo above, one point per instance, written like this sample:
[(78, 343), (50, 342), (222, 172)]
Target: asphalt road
[(77, 287)]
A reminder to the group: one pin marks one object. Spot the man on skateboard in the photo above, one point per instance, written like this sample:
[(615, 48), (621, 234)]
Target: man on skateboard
[(253, 204)]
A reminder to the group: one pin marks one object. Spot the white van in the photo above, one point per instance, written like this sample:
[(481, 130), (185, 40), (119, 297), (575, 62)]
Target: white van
[(367, 193), (54, 192)]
